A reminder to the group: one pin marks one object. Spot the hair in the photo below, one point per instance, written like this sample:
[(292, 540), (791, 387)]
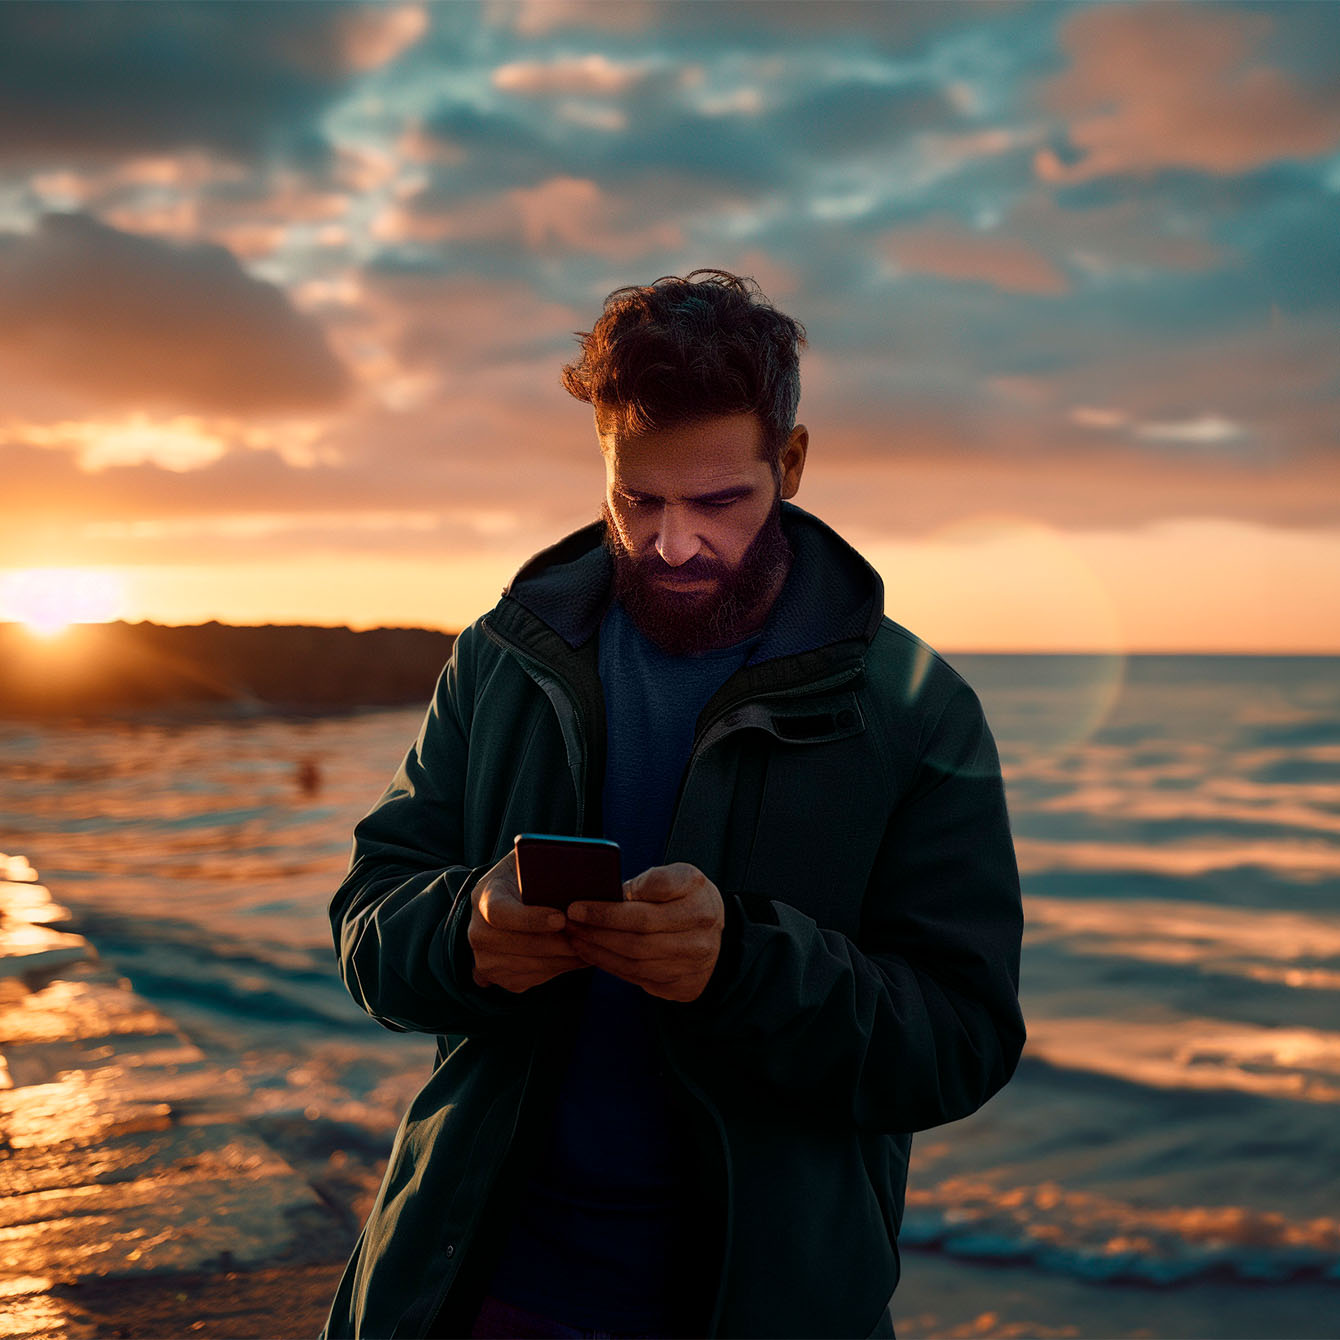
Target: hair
[(667, 353)]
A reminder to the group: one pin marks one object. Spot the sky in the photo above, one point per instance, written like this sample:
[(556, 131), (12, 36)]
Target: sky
[(285, 290)]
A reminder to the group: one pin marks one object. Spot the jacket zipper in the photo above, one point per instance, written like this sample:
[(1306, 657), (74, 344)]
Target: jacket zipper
[(544, 676), (795, 691)]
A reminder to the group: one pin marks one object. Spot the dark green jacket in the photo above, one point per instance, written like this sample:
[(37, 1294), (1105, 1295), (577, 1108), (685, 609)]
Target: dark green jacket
[(844, 794)]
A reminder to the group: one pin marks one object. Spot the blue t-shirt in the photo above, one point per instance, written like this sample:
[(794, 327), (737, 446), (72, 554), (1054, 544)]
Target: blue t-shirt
[(599, 1243)]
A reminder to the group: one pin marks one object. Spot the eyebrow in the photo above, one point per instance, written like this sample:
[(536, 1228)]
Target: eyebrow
[(720, 495)]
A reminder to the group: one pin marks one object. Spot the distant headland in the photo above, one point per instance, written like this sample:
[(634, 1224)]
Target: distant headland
[(214, 669)]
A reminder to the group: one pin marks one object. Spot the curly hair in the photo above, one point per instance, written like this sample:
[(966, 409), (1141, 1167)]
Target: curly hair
[(680, 349)]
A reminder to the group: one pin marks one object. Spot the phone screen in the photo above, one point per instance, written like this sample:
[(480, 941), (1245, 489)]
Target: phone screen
[(553, 871)]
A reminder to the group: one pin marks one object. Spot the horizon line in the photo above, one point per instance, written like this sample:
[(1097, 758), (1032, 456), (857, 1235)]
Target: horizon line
[(946, 649)]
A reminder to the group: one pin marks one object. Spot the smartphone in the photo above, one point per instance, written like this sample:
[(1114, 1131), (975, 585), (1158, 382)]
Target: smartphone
[(554, 871)]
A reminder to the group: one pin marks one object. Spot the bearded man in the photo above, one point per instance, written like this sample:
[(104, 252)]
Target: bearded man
[(688, 1112)]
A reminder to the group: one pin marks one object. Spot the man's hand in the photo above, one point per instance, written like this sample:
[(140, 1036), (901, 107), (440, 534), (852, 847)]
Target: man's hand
[(515, 946), (664, 937)]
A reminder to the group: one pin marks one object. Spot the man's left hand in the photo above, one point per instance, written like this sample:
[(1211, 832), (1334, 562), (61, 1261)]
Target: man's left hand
[(664, 937)]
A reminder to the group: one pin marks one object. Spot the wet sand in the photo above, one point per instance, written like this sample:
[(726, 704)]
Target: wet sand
[(134, 1199), (272, 1302)]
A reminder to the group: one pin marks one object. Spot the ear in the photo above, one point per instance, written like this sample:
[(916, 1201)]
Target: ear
[(792, 460)]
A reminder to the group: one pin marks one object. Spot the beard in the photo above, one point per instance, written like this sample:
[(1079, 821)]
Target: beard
[(686, 623)]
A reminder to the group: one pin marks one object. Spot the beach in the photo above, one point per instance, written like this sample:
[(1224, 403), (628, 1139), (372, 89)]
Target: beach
[(1163, 1163)]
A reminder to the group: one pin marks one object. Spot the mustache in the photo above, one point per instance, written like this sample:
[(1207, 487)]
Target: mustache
[(697, 568)]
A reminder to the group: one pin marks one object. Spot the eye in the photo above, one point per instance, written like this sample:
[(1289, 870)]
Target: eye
[(633, 502)]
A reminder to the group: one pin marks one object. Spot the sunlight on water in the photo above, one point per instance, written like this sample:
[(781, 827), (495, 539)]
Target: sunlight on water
[(1291, 948), (1301, 859), (1183, 1052)]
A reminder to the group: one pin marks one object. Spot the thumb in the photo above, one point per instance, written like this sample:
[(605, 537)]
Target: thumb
[(662, 884)]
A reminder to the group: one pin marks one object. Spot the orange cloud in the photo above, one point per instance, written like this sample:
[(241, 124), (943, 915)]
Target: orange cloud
[(594, 75), (1155, 86), (948, 250), (928, 479), (460, 326), (360, 38), (563, 214), (538, 18), (124, 320)]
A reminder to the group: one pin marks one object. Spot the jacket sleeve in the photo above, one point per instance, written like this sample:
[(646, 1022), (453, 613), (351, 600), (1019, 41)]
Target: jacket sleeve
[(401, 915), (917, 1021)]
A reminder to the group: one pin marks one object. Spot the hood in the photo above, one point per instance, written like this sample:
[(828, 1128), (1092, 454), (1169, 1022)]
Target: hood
[(831, 593)]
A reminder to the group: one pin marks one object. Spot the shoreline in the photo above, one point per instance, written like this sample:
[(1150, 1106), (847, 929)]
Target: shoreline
[(135, 1198)]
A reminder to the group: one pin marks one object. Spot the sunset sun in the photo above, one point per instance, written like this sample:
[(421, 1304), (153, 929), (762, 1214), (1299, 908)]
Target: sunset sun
[(48, 600)]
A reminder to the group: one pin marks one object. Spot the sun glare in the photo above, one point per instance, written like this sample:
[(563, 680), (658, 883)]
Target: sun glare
[(48, 600)]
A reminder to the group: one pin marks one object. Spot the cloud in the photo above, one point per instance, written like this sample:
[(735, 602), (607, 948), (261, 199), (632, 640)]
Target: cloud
[(1160, 86), (748, 22), (593, 75), (497, 444), (514, 142), (1204, 430), (1134, 237), (539, 18), (925, 480), (86, 82), (1138, 336), (949, 251), (368, 38), (461, 325), (851, 114), (561, 215), (123, 320), (1263, 392)]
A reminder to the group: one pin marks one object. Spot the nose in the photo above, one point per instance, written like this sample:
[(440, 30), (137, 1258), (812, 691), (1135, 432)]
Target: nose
[(676, 540)]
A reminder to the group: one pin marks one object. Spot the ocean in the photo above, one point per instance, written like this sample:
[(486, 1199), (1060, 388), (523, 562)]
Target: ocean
[(1166, 1159)]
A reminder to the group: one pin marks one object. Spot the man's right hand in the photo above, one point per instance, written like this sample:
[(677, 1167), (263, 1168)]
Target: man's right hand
[(515, 946)]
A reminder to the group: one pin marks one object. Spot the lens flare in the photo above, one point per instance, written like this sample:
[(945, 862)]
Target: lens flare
[(995, 582)]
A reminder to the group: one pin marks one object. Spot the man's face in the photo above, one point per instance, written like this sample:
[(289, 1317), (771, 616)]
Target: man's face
[(693, 521)]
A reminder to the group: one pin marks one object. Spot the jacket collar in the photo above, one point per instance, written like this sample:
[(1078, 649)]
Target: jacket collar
[(831, 594)]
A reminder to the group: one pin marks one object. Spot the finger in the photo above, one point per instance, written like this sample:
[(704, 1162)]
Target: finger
[(508, 969), (504, 911), (664, 883), (638, 971), (640, 917), (631, 944)]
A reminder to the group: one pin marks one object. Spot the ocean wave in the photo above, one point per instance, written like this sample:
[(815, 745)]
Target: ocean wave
[(1102, 1238), (1175, 1051), (1228, 804), (1295, 949), (1302, 861)]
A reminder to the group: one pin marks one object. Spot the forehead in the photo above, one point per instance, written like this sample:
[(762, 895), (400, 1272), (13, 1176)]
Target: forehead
[(709, 453)]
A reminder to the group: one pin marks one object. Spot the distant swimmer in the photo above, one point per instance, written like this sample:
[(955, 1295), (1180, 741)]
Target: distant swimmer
[(307, 776)]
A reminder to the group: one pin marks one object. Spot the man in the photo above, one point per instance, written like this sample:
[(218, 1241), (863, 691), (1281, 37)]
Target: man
[(689, 1112)]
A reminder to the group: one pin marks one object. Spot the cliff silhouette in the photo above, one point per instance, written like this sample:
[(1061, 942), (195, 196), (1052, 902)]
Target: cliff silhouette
[(119, 668)]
